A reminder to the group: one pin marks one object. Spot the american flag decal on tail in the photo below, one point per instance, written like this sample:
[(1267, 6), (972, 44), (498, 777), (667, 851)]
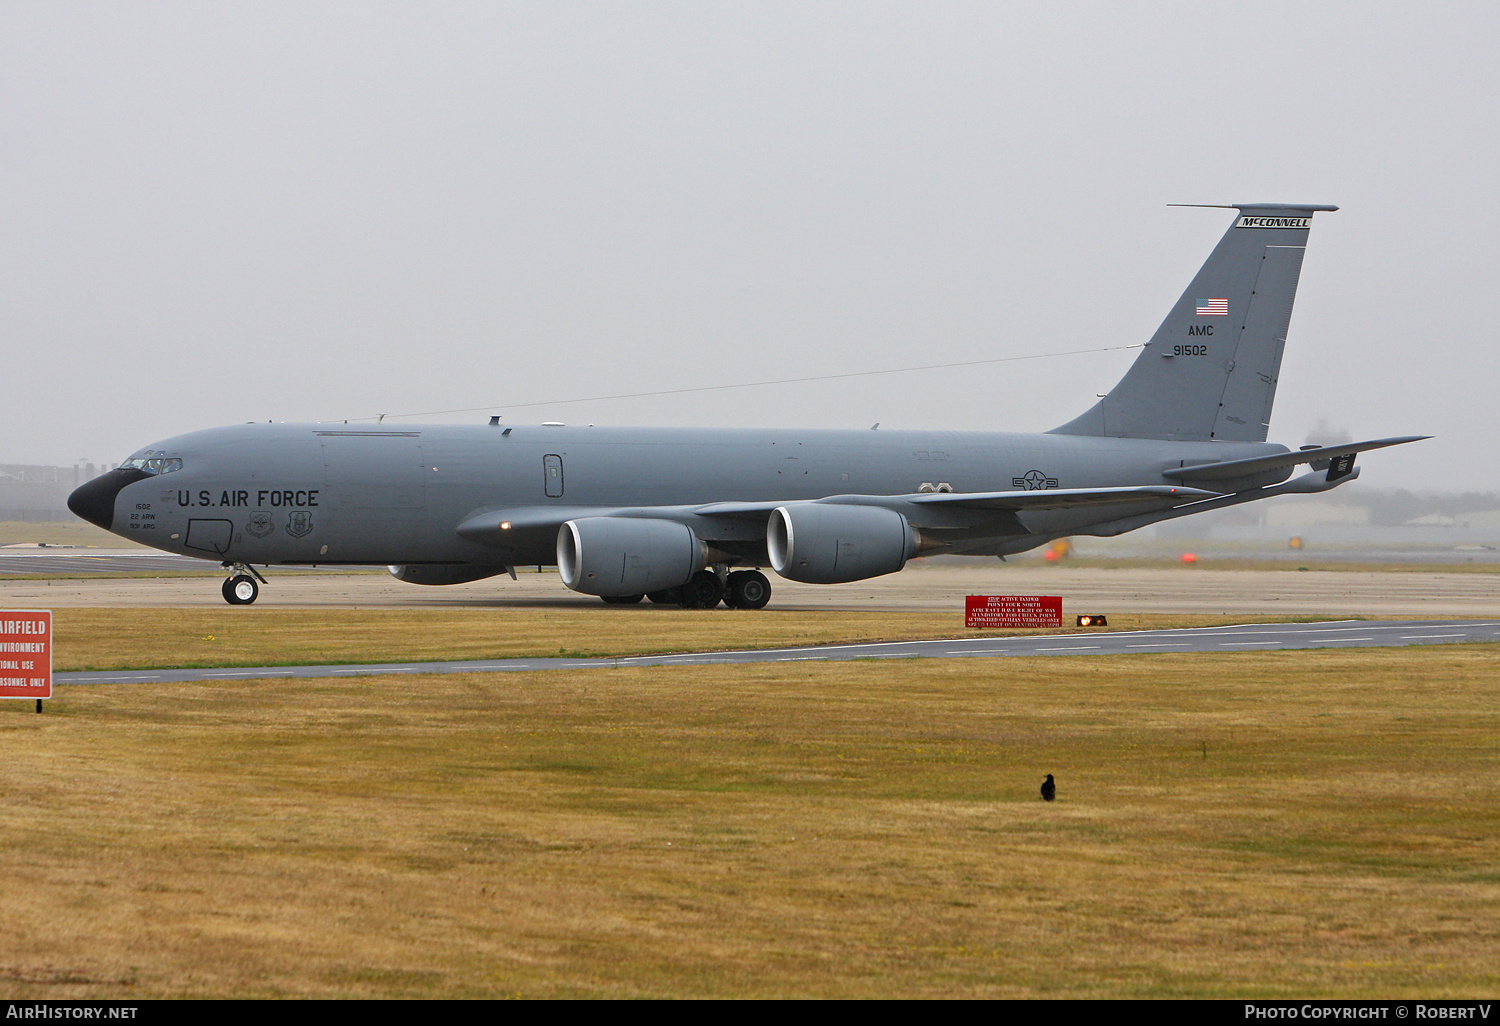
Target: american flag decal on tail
[(1213, 307)]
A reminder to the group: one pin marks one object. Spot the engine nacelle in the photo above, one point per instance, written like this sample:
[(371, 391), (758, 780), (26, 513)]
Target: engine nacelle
[(462, 573), (611, 556), (823, 543)]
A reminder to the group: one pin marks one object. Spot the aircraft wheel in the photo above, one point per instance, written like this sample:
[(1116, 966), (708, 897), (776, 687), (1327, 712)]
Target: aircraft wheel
[(622, 600), (703, 590), (748, 589), (241, 590), (666, 597)]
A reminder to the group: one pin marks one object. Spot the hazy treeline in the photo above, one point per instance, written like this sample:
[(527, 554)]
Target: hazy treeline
[(1391, 508)]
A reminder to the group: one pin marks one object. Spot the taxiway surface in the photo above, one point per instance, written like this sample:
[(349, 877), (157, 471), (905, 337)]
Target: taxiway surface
[(937, 587)]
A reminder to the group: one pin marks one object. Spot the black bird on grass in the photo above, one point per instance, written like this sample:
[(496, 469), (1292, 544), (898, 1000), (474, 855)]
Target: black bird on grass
[(1049, 789)]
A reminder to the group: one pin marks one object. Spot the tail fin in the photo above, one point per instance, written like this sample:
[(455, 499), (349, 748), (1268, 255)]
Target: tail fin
[(1210, 370)]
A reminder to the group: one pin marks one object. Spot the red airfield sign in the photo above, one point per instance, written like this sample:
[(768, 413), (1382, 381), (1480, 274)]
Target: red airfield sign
[(26, 653), (1013, 611)]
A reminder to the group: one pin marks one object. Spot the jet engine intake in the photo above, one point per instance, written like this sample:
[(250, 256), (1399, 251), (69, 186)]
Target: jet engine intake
[(610, 556), (824, 543)]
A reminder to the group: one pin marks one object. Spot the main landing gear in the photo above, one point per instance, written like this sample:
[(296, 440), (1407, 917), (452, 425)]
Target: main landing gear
[(747, 589), (240, 589), (703, 590), (743, 589)]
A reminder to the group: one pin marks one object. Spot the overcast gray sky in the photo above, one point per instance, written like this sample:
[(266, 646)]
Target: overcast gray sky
[(221, 212)]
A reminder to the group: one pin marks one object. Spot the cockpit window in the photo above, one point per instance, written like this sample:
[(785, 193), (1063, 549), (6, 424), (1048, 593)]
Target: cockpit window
[(154, 464)]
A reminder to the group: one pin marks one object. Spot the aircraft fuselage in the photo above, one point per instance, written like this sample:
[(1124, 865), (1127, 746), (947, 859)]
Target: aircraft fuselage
[(338, 494), (627, 513)]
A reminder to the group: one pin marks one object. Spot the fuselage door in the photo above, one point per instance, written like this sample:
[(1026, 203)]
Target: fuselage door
[(209, 535), (552, 476)]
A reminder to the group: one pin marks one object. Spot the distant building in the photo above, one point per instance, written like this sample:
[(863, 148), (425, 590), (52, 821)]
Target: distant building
[(1312, 514), (37, 494), (1487, 521)]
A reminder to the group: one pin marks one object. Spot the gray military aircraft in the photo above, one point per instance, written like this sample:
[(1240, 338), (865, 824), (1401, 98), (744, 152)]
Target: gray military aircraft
[(687, 516)]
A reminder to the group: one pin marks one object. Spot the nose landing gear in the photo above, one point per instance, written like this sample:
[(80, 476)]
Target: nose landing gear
[(240, 589)]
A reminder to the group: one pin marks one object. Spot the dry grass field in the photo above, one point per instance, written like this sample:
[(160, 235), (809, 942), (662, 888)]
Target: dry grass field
[(136, 638), (70, 532), (1264, 824)]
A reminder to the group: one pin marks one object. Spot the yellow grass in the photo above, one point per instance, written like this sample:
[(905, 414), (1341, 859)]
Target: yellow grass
[(71, 532), (1269, 824), (112, 638)]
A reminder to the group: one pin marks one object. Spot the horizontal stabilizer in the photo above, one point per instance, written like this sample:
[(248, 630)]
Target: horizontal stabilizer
[(1282, 461)]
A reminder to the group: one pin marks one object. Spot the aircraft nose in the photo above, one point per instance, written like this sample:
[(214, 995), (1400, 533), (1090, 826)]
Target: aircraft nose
[(95, 500)]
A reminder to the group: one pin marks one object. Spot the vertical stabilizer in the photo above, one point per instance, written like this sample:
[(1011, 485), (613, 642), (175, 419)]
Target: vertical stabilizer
[(1210, 370)]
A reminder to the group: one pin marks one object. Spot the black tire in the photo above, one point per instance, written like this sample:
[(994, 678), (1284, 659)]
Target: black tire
[(240, 590), (622, 600), (748, 589), (703, 590), (666, 597)]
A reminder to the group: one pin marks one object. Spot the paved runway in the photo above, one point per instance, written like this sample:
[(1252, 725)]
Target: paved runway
[(1240, 638), (1244, 594), (57, 560)]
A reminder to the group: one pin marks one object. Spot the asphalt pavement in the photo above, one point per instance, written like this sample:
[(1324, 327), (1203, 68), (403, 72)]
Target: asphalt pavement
[(57, 560)]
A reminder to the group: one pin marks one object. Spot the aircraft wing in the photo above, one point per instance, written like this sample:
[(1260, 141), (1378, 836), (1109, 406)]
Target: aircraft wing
[(1260, 464), (495, 526), (737, 510), (1013, 501), (1057, 498)]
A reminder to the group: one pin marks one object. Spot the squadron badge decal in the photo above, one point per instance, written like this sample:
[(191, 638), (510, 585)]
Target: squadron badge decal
[(260, 525), (299, 523)]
